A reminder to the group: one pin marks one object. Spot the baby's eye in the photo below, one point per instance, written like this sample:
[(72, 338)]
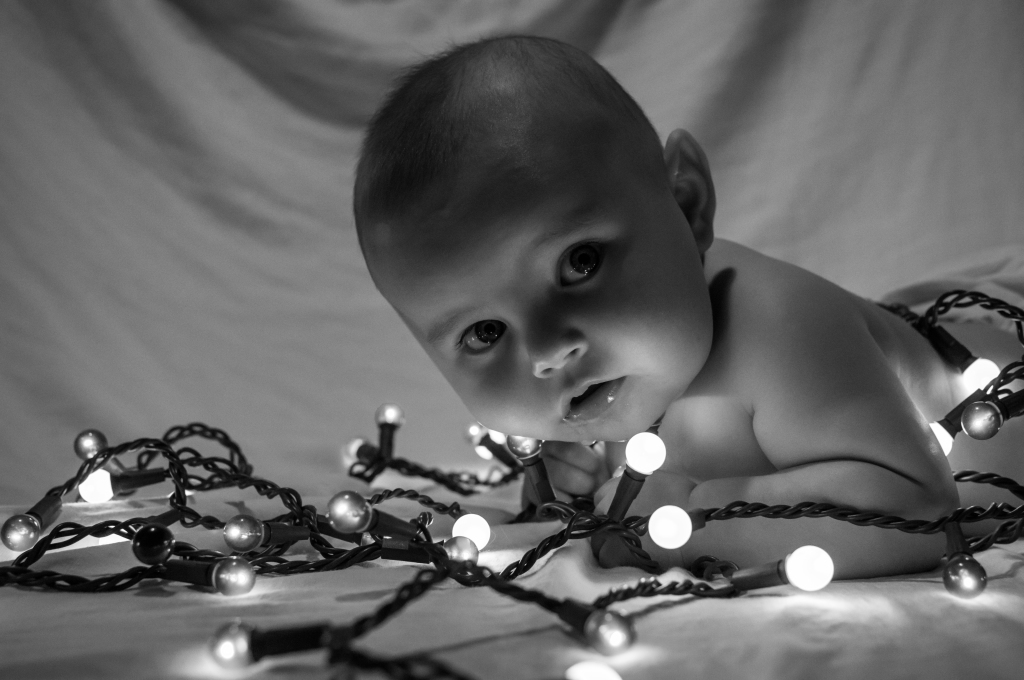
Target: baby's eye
[(579, 263), (482, 335)]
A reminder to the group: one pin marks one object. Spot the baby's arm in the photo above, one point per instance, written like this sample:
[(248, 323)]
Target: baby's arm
[(831, 416), (573, 469)]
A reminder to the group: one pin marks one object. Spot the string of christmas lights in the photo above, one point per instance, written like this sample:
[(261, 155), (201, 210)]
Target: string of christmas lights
[(258, 547)]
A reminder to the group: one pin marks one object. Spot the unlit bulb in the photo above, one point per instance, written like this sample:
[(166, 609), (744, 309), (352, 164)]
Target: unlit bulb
[(980, 373), (20, 532), (809, 568), (96, 488), (233, 576), (670, 527), (88, 443), (523, 447), (964, 576), (244, 533), (461, 549), (645, 452), (349, 513), (981, 420), (389, 414), (473, 527)]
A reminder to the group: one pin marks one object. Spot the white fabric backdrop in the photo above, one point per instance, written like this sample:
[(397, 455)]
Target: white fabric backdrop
[(176, 240)]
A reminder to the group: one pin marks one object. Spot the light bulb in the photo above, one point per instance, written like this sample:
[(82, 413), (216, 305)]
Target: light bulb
[(523, 447), (945, 438), (981, 420), (231, 645), (153, 544), (645, 452), (591, 670), (609, 632), (473, 527), (964, 576), (88, 443), (359, 450), (20, 532), (389, 414), (498, 438), (233, 576), (474, 433), (461, 549), (980, 373), (349, 513), (809, 568), (96, 488), (244, 533), (670, 527), (483, 452)]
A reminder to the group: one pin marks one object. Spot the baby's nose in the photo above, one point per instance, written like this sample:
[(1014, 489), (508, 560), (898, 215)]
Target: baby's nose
[(549, 360)]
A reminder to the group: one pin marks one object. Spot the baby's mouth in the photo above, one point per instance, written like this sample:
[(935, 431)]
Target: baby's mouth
[(594, 401)]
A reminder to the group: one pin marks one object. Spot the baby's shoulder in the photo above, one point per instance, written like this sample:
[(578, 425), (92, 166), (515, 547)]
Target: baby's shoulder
[(771, 316)]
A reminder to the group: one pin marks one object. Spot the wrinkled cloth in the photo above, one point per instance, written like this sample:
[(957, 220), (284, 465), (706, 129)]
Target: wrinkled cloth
[(890, 628), (176, 238)]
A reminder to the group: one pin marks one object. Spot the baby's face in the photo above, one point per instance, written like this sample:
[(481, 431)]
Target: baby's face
[(581, 318)]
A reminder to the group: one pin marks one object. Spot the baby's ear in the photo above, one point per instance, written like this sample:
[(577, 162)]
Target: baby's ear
[(689, 176)]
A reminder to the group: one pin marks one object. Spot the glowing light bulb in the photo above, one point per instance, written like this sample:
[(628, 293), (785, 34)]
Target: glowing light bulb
[(153, 544), (233, 576), (964, 576), (96, 488), (349, 513), (389, 414), (88, 443), (461, 549), (809, 568), (483, 452), (645, 452), (474, 433), (609, 632), (498, 438), (473, 527), (945, 438), (591, 670), (231, 645), (981, 420), (980, 373), (670, 527), (20, 532), (244, 533)]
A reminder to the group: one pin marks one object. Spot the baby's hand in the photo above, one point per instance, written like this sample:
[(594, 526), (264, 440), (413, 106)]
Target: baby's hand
[(574, 470)]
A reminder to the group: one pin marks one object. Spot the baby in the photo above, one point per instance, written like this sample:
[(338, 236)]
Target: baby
[(559, 266)]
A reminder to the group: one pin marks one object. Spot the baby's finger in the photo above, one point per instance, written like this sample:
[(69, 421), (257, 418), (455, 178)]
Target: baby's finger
[(574, 453), (570, 479), (603, 496)]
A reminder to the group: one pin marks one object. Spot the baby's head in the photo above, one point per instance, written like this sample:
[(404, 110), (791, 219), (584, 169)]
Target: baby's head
[(515, 207)]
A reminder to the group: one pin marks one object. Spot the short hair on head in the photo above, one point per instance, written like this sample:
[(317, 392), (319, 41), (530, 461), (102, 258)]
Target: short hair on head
[(419, 136)]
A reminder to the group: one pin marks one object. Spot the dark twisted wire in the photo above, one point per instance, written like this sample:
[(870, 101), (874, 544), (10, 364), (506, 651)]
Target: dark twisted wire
[(959, 299), (651, 587), (25, 577), (990, 478), (418, 667), (452, 510)]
